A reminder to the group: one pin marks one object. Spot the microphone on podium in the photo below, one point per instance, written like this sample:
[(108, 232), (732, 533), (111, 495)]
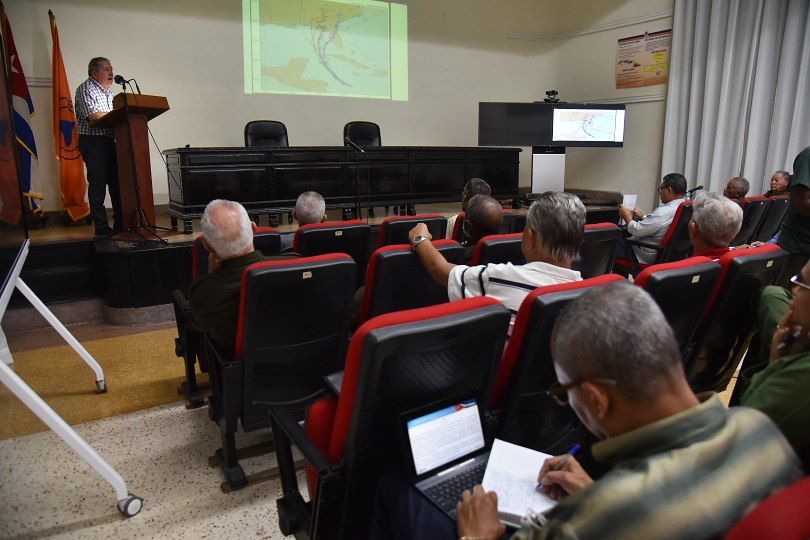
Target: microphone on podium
[(122, 81), (351, 143)]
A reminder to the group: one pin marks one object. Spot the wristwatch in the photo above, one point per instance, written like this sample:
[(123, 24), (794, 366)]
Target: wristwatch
[(418, 240)]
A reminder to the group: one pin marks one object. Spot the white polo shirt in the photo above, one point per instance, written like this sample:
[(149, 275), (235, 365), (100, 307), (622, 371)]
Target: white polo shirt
[(507, 283)]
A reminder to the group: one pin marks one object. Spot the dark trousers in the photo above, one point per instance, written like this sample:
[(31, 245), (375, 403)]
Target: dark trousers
[(98, 153), (402, 513)]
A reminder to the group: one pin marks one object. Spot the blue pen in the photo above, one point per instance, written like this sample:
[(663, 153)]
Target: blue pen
[(563, 462)]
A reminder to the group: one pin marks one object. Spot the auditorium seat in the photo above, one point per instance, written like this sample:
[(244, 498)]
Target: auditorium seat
[(598, 252), (395, 229), (526, 415), (266, 133), (674, 246), (783, 515), (772, 221), (279, 361), (395, 363), (727, 323), (397, 280), (520, 223), (680, 289), (754, 210), (187, 344), (351, 237), (499, 248), (363, 134)]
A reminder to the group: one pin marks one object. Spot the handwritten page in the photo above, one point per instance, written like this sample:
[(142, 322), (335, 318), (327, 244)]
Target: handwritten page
[(629, 202), (512, 473)]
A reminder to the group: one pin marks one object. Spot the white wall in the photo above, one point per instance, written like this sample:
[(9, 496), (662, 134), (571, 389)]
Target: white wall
[(459, 54)]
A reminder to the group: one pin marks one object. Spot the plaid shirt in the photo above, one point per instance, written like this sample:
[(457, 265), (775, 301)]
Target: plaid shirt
[(91, 98), (692, 475)]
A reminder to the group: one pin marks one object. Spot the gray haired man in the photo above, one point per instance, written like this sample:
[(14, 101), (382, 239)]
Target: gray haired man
[(309, 208), (214, 297), (716, 220), (551, 241)]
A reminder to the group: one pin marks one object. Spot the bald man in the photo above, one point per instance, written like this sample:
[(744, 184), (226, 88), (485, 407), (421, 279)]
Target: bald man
[(482, 218)]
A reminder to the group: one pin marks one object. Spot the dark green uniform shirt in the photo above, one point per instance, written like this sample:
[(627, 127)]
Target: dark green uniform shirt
[(214, 297), (795, 234)]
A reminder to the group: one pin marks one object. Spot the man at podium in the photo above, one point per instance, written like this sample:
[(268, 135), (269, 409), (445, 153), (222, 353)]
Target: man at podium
[(94, 99)]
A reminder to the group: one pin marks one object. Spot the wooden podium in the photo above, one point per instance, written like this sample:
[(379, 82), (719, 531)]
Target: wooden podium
[(141, 109)]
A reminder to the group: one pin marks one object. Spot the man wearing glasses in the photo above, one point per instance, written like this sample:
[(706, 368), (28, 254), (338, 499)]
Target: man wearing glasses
[(780, 386), (653, 226), (681, 466)]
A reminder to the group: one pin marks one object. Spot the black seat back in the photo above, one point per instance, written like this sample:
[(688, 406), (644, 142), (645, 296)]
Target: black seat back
[(727, 324), (286, 357), (397, 280), (754, 210), (772, 221), (499, 248), (266, 133), (598, 251), (350, 237), (363, 134), (680, 289), (395, 229)]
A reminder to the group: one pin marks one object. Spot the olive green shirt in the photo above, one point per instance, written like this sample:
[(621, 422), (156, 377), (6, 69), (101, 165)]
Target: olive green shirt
[(214, 297), (782, 391), (691, 475), (795, 233)]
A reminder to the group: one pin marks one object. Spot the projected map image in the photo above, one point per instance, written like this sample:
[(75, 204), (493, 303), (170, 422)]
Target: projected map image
[(587, 125), (328, 47)]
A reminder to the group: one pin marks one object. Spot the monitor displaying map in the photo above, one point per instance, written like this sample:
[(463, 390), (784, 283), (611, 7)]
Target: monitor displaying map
[(587, 126), (354, 48)]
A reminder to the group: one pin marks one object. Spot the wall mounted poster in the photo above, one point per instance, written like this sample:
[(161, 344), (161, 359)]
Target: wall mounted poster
[(643, 60)]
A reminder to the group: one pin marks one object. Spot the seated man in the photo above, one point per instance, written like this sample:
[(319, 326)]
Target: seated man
[(780, 184), (794, 236), (716, 220), (681, 466), (483, 217), (779, 385), (309, 208), (474, 187), (651, 228), (736, 188), (214, 297), (552, 238)]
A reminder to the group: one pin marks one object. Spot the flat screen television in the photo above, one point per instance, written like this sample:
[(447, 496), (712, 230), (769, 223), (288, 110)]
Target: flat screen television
[(550, 124), (13, 232)]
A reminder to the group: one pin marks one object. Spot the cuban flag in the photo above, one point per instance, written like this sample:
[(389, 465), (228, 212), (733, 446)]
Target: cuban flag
[(23, 108)]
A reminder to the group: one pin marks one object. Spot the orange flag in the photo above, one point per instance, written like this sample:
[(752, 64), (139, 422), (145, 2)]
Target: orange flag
[(71, 167)]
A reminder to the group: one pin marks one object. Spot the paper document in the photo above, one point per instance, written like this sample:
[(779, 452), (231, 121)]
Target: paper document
[(512, 474), (629, 202)]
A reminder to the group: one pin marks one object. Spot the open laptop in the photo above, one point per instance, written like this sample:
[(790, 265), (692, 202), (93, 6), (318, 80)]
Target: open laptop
[(445, 444)]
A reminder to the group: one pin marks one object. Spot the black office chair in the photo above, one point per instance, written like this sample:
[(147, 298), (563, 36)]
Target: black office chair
[(266, 133), (363, 134)]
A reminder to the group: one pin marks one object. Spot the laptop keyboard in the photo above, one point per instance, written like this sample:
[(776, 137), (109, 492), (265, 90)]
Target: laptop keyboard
[(448, 492)]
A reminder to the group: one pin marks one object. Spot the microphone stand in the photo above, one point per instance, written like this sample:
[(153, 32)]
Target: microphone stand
[(357, 151), (690, 192)]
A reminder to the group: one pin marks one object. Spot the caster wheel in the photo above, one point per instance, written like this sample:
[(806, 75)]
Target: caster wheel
[(130, 506), (101, 387)]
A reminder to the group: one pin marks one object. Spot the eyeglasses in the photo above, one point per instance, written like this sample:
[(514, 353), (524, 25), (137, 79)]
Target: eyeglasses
[(797, 280), (559, 392)]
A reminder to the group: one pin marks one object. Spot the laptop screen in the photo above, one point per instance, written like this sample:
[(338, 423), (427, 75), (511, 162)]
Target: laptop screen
[(439, 437)]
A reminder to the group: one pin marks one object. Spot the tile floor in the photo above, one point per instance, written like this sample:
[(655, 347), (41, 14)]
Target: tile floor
[(47, 491)]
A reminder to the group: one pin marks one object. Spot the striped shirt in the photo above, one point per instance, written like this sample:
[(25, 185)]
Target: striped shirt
[(507, 283), (91, 98), (692, 475)]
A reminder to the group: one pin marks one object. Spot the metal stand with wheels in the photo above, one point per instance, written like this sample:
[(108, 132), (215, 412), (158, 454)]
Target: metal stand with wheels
[(127, 503)]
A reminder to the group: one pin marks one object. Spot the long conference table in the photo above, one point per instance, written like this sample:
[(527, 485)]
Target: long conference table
[(269, 180)]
